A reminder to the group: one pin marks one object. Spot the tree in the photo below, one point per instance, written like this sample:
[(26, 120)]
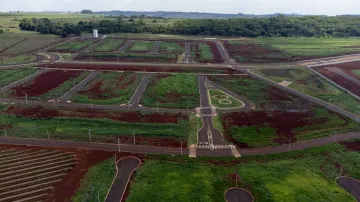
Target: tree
[(86, 11), (154, 21)]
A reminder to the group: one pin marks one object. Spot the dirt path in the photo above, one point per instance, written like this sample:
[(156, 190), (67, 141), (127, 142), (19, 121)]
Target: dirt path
[(238, 195), (125, 167), (140, 90), (350, 185)]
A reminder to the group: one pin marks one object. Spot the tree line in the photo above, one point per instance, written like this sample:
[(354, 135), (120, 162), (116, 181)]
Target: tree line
[(284, 26)]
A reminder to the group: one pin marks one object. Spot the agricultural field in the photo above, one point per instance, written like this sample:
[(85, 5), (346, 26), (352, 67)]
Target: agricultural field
[(31, 44), (9, 76), (302, 176), (165, 130), (172, 91), (32, 174), (108, 45), (72, 46), (269, 128), (221, 100), (109, 88), (171, 48), (309, 83), (7, 42), (16, 59), (48, 85), (141, 47), (128, 57)]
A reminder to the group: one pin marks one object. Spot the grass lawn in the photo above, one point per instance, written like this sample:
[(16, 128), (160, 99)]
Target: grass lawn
[(71, 46), (31, 43), (171, 47), (205, 53), (172, 91), (7, 42), (77, 129), (218, 123), (130, 57), (303, 176), (311, 46), (109, 88), (8, 76), (97, 182), (308, 83), (356, 71), (108, 45), (141, 46), (195, 124), (221, 100), (17, 59), (254, 136)]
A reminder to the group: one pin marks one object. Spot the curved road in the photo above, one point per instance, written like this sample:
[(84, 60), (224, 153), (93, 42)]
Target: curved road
[(125, 167), (350, 185), (238, 195)]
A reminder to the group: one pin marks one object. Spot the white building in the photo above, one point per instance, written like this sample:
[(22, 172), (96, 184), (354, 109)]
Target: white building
[(96, 35)]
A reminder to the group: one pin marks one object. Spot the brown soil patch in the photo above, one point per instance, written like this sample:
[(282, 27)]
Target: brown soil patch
[(354, 145), (349, 67)]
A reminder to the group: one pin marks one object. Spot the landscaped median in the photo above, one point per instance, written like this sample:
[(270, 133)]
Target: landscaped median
[(129, 57), (221, 100)]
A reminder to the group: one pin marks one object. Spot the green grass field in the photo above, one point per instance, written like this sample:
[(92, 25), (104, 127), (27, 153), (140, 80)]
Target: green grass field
[(141, 46), (108, 45), (172, 91), (254, 136), (6, 42), (8, 76), (71, 46), (31, 43), (205, 53), (195, 124), (218, 123), (308, 83), (171, 47), (221, 100), (136, 57), (96, 182), (356, 71), (114, 88), (303, 176), (17, 59)]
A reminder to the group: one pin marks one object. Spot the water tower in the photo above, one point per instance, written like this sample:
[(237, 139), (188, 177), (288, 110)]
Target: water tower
[(96, 35)]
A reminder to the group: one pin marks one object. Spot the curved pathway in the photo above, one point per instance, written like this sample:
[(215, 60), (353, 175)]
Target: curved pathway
[(235, 194), (125, 167), (350, 185)]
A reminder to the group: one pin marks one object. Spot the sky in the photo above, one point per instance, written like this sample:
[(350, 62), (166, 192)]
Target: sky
[(316, 7)]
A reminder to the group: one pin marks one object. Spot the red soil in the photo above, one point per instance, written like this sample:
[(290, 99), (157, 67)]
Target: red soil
[(217, 58), (130, 117), (354, 146), (348, 67), (130, 68), (44, 83), (283, 122), (342, 81)]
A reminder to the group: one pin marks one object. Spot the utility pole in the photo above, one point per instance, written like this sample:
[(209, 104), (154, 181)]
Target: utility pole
[(47, 132), (157, 106), (181, 148), (26, 100), (134, 139), (289, 144)]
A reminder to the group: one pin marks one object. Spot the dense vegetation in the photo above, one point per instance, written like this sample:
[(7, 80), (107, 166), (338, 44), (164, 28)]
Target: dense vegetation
[(339, 26)]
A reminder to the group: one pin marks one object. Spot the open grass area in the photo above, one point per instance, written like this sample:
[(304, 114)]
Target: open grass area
[(172, 91), (308, 83), (195, 124), (356, 71), (302, 176), (221, 100), (6, 42), (97, 182), (17, 59), (141, 46), (71, 46), (31, 44), (254, 136), (108, 45), (77, 129), (171, 47), (134, 57), (9, 76), (218, 124), (205, 53), (109, 88)]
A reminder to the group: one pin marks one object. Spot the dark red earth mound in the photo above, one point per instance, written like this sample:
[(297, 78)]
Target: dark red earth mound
[(355, 145)]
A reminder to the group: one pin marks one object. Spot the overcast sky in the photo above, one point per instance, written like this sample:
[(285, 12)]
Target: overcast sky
[(328, 7)]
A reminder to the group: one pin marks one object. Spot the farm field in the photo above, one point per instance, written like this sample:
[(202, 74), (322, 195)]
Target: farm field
[(31, 44), (109, 88), (269, 128), (172, 91), (221, 100), (71, 46), (171, 48), (108, 45), (308, 83), (17, 59), (48, 85), (302, 176), (7, 42), (207, 52), (9, 76), (105, 126), (141, 47), (129, 57), (32, 174)]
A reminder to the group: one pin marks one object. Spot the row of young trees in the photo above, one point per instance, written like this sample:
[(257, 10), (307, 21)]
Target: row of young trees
[(340, 26)]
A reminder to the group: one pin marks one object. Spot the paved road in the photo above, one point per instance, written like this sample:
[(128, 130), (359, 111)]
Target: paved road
[(187, 56), (140, 90), (223, 53), (21, 81), (351, 185), (125, 46), (343, 74), (238, 195), (155, 48), (79, 86), (125, 167)]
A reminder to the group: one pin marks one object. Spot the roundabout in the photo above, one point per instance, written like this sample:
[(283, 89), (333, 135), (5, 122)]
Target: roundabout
[(221, 100)]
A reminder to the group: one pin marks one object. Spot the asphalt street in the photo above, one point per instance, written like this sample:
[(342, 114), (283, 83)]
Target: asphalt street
[(140, 90), (238, 195), (125, 46), (343, 74), (350, 185), (155, 48)]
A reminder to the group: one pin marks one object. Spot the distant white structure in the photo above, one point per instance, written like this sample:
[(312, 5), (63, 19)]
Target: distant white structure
[(96, 35)]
